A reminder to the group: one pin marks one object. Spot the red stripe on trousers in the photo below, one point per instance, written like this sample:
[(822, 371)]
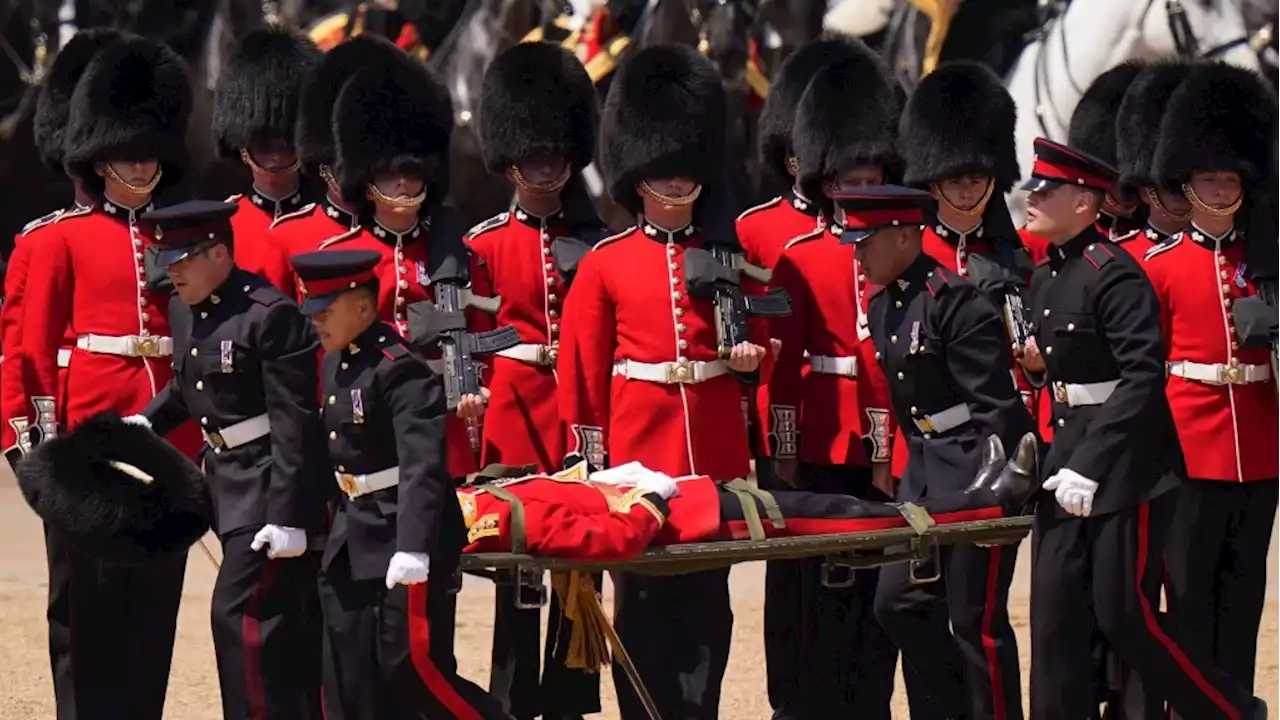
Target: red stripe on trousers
[(1144, 512), (420, 652), (251, 633), (989, 642)]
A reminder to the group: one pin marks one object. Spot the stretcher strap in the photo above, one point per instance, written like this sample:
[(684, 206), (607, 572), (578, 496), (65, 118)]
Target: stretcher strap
[(917, 517), (588, 642), (748, 494), (517, 516)]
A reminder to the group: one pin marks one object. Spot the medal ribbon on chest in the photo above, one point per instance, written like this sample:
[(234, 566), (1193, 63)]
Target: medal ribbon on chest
[(357, 407), (227, 356)]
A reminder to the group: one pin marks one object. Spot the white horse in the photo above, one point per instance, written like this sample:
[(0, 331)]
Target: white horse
[(1092, 36)]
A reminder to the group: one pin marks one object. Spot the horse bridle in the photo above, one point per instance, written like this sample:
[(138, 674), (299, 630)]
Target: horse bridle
[(1184, 41)]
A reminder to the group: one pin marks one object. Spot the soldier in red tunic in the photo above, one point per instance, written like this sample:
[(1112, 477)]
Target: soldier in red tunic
[(124, 140), (830, 425), (1218, 331), (254, 111), (538, 116), (641, 372)]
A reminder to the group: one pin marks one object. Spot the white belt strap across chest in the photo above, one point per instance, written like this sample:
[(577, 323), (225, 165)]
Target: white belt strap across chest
[(356, 485), (126, 345), (842, 366), (1220, 373), (683, 372), (233, 436), (531, 353), (940, 422), (1083, 394)]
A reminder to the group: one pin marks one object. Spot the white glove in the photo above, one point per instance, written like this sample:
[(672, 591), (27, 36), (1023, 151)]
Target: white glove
[(620, 475), (658, 483), (139, 420), (408, 568), (281, 542), (1073, 491)]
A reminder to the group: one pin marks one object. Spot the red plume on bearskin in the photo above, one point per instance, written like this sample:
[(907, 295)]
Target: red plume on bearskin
[(86, 485), (53, 104), (664, 117), (132, 102), (537, 99), (1137, 122), (959, 120), (1092, 129), (257, 96)]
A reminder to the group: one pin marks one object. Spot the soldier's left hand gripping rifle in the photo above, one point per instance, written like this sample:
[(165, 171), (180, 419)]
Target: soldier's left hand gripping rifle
[(716, 274), (444, 324)]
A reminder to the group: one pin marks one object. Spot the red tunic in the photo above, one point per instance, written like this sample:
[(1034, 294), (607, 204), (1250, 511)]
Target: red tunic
[(829, 297), (629, 302), (256, 251), (764, 230), (511, 257), (1228, 432), (89, 277), (305, 228)]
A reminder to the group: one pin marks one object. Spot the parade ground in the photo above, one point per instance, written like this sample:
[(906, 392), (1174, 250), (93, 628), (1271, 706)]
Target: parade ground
[(27, 693)]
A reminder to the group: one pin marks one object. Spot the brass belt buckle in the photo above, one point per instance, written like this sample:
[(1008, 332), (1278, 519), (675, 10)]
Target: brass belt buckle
[(347, 482), (1060, 392), (215, 440), (679, 372), (925, 424), (146, 347), (1231, 373), (547, 354)]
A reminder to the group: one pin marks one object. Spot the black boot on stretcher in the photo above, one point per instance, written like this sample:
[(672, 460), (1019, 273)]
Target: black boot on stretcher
[(1010, 483)]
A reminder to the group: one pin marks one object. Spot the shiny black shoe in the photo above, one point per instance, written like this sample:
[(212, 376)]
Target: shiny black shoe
[(1012, 482)]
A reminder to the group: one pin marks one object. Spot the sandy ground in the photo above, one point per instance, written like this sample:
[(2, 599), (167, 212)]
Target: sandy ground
[(193, 689)]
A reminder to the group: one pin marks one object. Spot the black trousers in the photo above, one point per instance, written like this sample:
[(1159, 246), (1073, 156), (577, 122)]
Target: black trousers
[(515, 679), (1100, 573), (969, 668), (388, 654), (782, 604), (266, 633), (1217, 568), (677, 629), (111, 631)]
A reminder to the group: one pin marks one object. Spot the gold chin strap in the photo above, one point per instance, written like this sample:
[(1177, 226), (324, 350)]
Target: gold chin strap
[(1200, 205), (247, 159), (135, 189), (667, 201), (326, 174), (404, 203), (976, 210), (554, 186), (1153, 197)]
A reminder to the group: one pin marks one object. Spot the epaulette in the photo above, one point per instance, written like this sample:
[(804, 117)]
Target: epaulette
[(814, 233), (937, 281), (1098, 255), (353, 232), (1158, 248), (234, 198), (304, 210), (485, 226), (614, 238), (762, 206), (42, 221), (74, 212), (266, 295), (395, 350)]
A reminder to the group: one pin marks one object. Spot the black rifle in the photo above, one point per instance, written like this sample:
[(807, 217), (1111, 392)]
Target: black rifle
[(1003, 281), (716, 274)]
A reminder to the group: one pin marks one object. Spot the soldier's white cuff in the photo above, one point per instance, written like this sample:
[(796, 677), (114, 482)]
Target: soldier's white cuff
[(878, 434), (784, 431)]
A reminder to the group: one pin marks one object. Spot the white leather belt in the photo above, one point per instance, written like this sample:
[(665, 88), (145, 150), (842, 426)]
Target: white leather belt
[(356, 485), (952, 417), (530, 353), (242, 433), (671, 373), (126, 346), (1081, 394), (1220, 373), (842, 366), (64, 357)]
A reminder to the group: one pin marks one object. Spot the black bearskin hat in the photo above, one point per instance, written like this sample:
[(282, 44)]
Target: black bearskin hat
[(53, 104), (388, 116), (1093, 123), (1221, 118), (133, 102), (313, 136), (257, 97), (959, 120), (778, 116), (1137, 123), (83, 485), (664, 117), (848, 115), (537, 99)]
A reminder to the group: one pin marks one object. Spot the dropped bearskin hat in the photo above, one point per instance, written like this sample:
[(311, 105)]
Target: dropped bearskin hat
[(132, 103), (1220, 118), (1092, 129), (117, 491), (257, 97), (664, 117), (959, 120), (777, 119), (847, 116), (53, 104), (537, 99), (313, 135), (389, 115), (1138, 122)]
